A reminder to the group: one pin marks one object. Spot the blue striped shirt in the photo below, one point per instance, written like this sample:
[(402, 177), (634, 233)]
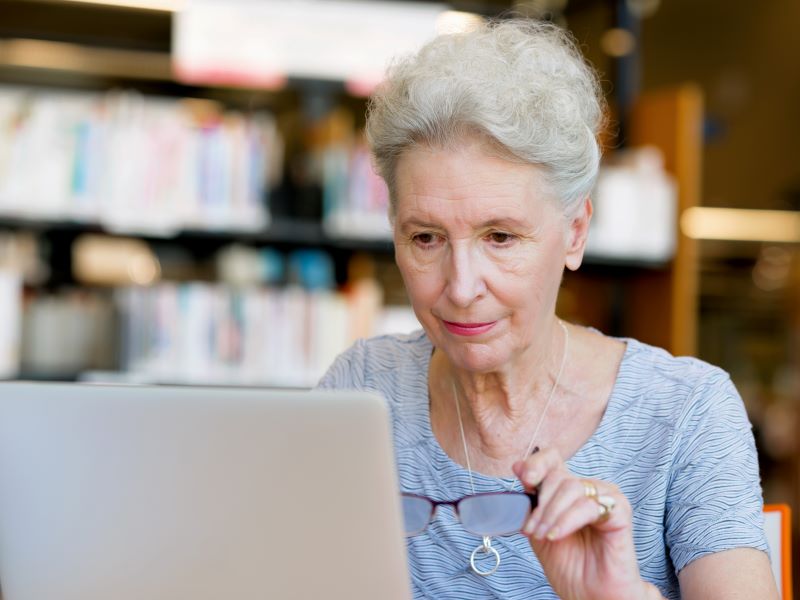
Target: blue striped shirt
[(674, 437)]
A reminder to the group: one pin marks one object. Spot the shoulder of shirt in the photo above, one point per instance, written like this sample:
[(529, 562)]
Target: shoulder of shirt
[(379, 362), (667, 368), (390, 365), (390, 351), (688, 383)]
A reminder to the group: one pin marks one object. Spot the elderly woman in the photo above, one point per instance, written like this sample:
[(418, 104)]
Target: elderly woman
[(647, 482)]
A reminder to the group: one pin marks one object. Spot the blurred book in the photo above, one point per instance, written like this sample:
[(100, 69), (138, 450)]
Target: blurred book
[(257, 335), (206, 333), (355, 198), (134, 163)]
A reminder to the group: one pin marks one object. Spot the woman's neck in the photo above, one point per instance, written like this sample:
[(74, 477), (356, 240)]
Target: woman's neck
[(501, 411)]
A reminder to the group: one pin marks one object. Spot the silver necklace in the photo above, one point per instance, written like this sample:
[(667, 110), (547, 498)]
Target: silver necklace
[(486, 546)]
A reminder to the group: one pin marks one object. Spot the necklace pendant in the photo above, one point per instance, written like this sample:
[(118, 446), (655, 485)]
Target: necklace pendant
[(484, 548)]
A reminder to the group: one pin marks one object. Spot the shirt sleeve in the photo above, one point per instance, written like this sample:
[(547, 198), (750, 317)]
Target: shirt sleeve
[(714, 500)]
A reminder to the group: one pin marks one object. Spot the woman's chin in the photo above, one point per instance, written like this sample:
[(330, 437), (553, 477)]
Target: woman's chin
[(477, 359)]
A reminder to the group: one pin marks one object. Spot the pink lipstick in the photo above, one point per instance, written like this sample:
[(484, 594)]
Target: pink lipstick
[(468, 329)]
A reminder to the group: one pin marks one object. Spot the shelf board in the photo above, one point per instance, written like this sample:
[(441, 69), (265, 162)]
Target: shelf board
[(612, 262), (34, 61), (158, 6), (85, 60), (280, 231)]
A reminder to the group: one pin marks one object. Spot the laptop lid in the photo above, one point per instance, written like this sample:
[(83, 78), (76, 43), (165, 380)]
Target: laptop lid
[(138, 493)]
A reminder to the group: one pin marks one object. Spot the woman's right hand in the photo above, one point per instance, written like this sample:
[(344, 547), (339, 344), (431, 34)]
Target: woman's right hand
[(585, 553)]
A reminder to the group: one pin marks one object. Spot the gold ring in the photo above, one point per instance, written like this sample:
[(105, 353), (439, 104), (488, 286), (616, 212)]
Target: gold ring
[(605, 506), (589, 490)]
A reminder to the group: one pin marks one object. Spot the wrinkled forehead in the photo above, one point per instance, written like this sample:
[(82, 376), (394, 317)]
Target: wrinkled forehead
[(466, 165), (466, 180), (461, 194)]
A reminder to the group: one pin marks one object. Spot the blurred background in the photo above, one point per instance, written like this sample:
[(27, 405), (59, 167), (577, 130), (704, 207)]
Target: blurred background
[(186, 196)]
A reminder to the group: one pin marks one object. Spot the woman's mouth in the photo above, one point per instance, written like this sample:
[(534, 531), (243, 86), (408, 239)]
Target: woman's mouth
[(468, 329)]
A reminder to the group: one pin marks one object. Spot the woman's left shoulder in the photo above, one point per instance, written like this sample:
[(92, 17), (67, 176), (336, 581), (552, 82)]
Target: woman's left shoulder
[(689, 384), (641, 366), (667, 367)]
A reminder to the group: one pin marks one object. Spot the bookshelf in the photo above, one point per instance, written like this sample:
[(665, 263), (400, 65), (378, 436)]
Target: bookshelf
[(80, 164), (69, 50)]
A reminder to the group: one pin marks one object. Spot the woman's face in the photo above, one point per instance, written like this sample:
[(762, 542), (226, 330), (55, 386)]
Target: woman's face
[(481, 243)]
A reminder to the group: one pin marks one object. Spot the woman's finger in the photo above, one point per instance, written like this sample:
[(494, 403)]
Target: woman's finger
[(552, 506), (583, 512), (609, 510), (545, 491), (532, 471), (543, 471)]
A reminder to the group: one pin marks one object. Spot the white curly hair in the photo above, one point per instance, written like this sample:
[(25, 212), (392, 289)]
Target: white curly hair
[(523, 85)]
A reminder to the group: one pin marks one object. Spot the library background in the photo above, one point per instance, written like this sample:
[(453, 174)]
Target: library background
[(186, 196)]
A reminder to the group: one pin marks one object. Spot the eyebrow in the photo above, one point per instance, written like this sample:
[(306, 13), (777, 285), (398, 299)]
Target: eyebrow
[(415, 222), (506, 222)]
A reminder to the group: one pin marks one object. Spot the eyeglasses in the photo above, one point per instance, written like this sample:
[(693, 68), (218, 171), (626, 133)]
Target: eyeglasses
[(489, 514)]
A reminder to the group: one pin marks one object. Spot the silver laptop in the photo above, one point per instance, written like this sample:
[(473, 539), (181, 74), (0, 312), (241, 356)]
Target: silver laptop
[(140, 493)]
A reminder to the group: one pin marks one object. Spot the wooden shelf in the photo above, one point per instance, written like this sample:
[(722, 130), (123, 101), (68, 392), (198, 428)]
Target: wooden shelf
[(672, 120)]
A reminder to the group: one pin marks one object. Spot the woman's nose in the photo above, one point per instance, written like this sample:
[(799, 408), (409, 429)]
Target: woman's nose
[(465, 282)]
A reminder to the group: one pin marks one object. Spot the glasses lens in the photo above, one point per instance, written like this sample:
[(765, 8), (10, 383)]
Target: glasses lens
[(494, 514), (417, 513)]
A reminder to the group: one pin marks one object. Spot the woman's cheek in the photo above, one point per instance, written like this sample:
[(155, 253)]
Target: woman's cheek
[(417, 270), (521, 258)]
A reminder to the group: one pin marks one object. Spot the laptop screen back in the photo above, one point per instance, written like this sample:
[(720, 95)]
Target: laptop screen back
[(139, 493)]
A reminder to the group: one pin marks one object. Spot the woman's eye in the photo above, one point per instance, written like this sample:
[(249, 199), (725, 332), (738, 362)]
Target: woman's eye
[(425, 239), (501, 238)]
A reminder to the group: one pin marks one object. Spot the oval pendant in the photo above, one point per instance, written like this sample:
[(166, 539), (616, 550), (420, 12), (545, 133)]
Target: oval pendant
[(485, 548)]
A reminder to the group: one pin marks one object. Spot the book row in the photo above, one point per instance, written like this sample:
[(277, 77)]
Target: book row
[(134, 163), (203, 333)]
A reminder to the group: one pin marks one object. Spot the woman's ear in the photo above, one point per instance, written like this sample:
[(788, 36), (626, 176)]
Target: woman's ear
[(577, 231)]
